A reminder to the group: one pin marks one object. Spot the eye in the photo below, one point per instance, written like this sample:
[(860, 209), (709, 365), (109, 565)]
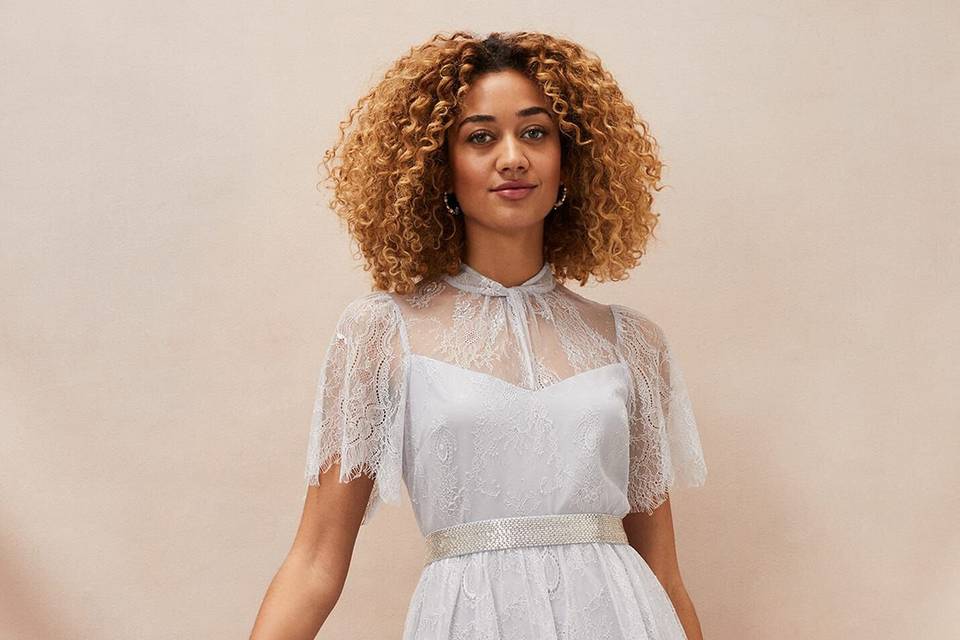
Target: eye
[(539, 130), (472, 136)]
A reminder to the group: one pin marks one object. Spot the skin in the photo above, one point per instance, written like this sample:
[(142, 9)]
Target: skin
[(504, 238), (653, 538), (504, 241), (309, 582)]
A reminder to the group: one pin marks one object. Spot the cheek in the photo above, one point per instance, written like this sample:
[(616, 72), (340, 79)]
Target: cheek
[(552, 158), (470, 175)]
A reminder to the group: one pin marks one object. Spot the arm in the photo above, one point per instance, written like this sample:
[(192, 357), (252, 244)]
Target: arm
[(309, 582), (653, 537)]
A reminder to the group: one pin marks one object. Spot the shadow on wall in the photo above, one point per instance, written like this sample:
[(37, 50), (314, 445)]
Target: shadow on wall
[(27, 606)]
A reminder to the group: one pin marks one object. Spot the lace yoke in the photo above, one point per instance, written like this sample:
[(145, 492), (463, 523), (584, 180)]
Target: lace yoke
[(490, 400)]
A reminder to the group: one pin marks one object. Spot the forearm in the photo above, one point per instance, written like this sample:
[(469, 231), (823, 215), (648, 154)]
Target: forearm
[(685, 611), (296, 603)]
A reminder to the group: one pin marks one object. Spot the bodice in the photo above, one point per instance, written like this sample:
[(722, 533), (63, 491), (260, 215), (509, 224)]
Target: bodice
[(489, 400)]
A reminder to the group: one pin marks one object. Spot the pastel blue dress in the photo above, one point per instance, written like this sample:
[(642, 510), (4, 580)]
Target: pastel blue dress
[(492, 401)]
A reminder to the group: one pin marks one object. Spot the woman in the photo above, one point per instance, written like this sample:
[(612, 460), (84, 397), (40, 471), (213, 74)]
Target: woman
[(537, 432)]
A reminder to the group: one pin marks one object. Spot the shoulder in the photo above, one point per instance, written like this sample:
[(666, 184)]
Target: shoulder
[(591, 312), (368, 310), (633, 325), (370, 302), (630, 315)]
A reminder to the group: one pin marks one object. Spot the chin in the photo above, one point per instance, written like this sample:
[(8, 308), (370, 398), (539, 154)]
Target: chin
[(514, 217)]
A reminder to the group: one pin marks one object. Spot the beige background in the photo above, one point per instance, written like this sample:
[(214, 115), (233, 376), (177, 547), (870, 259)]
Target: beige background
[(170, 276)]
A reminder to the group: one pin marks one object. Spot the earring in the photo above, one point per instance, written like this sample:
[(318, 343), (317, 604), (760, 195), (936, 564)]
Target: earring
[(563, 197), (446, 201)]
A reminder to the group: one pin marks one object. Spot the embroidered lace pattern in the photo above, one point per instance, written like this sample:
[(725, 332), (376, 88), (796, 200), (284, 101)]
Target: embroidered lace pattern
[(506, 347), (496, 404)]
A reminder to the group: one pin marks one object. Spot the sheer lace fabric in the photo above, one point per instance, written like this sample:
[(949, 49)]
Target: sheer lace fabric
[(490, 401)]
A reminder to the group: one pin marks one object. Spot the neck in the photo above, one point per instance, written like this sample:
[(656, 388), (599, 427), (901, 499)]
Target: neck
[(509, 274)]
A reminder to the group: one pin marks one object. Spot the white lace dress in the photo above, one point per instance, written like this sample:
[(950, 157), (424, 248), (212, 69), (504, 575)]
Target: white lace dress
[(490, 401)]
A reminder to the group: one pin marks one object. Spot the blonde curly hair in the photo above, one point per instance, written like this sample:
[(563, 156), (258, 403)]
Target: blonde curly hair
[(389, 183)]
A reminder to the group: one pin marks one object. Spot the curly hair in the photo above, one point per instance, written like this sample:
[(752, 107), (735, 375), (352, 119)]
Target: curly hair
[(389, 183)]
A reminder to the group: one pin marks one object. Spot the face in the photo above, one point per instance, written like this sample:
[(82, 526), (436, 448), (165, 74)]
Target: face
[(505, 131)]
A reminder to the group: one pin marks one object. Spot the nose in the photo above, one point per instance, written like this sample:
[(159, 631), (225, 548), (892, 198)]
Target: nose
[(511, 156)]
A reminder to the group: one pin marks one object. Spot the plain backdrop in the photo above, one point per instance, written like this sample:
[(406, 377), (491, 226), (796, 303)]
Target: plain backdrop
[(170, 276)]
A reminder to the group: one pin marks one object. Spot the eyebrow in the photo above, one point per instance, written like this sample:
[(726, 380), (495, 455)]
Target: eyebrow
[(481, 117)]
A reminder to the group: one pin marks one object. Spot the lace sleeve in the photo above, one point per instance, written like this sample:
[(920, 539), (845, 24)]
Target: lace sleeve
[(665, 448), (360, 401)]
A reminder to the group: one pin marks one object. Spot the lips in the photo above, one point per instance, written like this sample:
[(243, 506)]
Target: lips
[(515, 193), (514, 184)]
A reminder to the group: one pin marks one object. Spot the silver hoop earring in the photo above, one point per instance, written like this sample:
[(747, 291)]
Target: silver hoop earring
[(446, 201), (563, 197)]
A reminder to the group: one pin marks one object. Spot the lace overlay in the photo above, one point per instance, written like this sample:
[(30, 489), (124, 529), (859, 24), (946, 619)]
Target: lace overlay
[(664, 443), (358, 414), (489, 401)]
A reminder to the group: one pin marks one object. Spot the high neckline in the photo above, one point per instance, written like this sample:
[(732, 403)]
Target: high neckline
[(469, 279)]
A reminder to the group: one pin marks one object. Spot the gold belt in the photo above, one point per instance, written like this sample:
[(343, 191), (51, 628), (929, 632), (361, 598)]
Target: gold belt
[(524, 531)]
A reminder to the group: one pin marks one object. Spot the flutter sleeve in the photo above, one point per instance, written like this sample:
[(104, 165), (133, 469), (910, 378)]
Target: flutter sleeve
[(665, 449), (358, 414)]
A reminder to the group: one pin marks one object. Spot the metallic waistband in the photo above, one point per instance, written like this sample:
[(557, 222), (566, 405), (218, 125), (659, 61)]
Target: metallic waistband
[(524, 531)]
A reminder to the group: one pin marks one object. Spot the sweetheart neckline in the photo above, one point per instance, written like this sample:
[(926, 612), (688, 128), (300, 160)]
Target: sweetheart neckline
[(516, 386)]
